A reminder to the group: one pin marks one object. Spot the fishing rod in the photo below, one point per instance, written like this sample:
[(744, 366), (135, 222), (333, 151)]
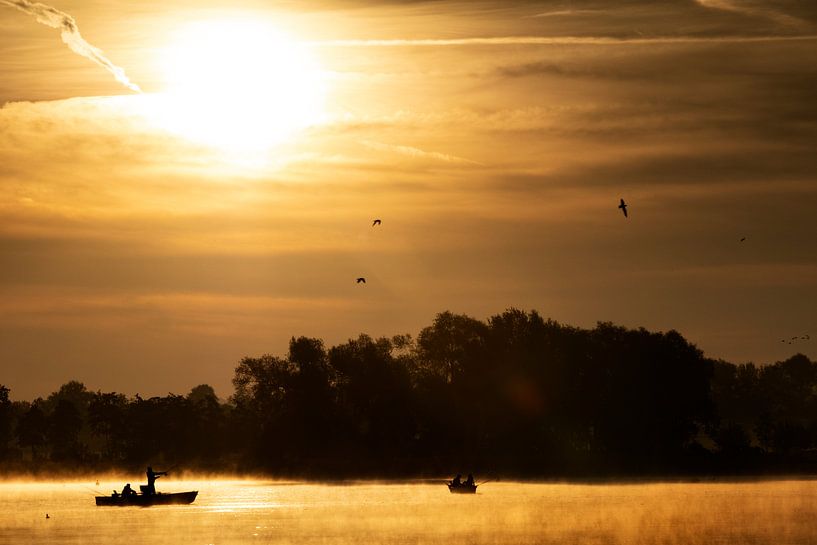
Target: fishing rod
[(171, 468), (96, 492)]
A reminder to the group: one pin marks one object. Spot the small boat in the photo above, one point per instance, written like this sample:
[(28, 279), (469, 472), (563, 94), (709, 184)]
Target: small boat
[(462, 488), (146, 500)]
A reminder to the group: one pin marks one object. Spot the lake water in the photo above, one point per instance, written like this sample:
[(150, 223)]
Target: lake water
[(259, 512)]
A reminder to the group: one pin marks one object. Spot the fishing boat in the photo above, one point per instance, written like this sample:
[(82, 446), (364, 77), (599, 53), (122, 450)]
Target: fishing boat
[(146, 500), (462, 488)]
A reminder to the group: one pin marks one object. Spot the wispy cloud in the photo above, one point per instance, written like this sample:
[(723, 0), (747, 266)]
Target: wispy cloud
[(69, 31), (567, 12), (418, 153), (753, 10), (557, 40)]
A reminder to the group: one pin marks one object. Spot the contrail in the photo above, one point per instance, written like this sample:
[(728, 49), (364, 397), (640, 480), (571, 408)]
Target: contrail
[(69, 31)]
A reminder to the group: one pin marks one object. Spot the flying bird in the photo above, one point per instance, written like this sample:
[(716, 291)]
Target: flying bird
[(623, 207), (375, 222), (361, 280), (742, 239)]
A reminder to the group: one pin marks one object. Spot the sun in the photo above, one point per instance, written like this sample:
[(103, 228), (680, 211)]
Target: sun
[(238, 85)]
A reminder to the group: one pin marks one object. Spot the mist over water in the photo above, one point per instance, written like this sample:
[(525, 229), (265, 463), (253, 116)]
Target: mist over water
[(231, 512)]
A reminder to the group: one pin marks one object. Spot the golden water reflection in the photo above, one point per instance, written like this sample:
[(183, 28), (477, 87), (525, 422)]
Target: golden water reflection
[(232, 512)]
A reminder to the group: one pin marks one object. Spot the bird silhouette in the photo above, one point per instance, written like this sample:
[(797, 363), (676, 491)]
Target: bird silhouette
[(742, 239), (361, 280), (375, 222), (623, 207)]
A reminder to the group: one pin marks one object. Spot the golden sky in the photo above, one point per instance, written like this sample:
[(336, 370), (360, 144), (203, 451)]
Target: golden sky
[(149, 241)]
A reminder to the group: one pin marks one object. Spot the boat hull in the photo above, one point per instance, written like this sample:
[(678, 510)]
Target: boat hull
[(463, 489), (146, 500)]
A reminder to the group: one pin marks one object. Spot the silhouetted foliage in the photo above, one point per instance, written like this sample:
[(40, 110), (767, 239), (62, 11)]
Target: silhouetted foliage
[(107, 417), (64, 425), (6, 420), (516, 394), (31, 430)]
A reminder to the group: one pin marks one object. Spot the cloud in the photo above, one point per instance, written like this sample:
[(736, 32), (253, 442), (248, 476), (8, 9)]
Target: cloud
[(708, 138), (213, 313), (418, 153), (753, 9), (567, 12), (557, 40), (69, 31)]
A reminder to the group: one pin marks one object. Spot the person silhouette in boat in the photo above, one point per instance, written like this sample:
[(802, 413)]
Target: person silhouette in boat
[(128, 491), (152, 476), (470, 480), (457, 481)]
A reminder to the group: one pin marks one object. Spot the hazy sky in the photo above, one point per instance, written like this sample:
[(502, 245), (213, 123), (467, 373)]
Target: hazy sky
[(148, 242)]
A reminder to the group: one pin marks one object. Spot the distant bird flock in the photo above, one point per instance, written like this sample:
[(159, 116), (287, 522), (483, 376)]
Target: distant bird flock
[(623, 207), (360, 279), (796, 339)]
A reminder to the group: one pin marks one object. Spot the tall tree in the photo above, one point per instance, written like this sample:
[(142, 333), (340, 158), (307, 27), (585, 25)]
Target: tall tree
[(6, 420), (64, 425), (31, 430)]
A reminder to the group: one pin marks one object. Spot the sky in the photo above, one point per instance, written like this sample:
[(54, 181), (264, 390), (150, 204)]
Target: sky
[(150, 240)]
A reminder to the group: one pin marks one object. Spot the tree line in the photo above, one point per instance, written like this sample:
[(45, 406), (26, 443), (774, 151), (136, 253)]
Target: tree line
[(514, 395)]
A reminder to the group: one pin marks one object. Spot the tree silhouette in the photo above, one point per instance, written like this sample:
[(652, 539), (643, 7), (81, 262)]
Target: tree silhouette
[(107, 417), (375, 398), (515, 394), (64, 424), (31, 430), (6, 421)]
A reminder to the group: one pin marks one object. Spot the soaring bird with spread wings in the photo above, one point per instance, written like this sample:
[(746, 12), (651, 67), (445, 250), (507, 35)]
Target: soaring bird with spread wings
[(623, 207)]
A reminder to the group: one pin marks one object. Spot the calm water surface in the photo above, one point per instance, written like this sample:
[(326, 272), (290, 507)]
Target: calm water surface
[(256, 512)]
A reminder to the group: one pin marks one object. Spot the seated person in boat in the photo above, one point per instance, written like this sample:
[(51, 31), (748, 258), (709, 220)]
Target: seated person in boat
[(152, 476), (470, 480), (457, 481), (128, 491)]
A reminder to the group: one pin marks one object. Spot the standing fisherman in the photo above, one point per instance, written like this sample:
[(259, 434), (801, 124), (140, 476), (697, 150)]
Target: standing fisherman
[(152, 476)]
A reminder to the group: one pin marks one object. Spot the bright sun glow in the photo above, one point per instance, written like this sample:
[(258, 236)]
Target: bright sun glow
[(238, 85)]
